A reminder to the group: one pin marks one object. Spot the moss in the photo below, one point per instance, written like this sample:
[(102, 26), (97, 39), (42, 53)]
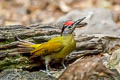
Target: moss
[(18, 62), (4, 42)]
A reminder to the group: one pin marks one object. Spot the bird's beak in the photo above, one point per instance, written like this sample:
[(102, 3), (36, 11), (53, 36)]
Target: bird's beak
[(79, 23)]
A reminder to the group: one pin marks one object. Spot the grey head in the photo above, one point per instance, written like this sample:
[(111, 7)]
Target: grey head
[(69, 26)]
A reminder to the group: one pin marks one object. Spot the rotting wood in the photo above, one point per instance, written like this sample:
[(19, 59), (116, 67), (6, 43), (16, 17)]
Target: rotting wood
[(86, 44)]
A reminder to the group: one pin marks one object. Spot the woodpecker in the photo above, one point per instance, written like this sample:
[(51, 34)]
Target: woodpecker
[(58, 47)]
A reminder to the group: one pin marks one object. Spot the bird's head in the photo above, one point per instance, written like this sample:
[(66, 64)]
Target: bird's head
[(69, 26)]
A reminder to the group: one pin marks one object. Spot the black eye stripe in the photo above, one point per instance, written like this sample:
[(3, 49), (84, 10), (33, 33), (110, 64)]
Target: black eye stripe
[(63, 28)]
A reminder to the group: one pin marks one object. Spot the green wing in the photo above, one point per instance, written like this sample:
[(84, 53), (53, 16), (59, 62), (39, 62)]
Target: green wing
[(48, 48)]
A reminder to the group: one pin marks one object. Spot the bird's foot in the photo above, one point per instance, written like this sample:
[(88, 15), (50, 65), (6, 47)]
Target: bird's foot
[(48, 73), (64, 67)]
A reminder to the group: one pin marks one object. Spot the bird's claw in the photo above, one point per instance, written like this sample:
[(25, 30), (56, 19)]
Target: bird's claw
[(48, 73)]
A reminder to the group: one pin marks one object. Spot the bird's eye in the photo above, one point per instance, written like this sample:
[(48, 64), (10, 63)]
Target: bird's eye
[(70, 27)]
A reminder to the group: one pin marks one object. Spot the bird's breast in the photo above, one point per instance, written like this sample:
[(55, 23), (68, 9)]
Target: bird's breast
[(69, 45)]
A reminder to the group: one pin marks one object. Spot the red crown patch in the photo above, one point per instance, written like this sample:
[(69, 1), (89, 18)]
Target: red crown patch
[(68, 23)]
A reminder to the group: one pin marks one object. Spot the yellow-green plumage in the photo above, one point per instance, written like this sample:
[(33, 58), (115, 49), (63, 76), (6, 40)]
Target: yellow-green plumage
[(69, 45), (57, 47)]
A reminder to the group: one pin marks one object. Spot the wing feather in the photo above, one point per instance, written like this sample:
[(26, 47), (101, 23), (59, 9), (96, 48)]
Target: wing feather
[(48, 48)]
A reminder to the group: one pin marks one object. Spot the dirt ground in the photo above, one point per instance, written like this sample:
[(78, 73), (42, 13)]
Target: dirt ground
[(26, 12)]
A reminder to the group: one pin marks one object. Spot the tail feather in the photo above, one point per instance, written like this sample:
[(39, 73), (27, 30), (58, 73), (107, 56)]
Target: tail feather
[(24, 46), (25, 50)]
